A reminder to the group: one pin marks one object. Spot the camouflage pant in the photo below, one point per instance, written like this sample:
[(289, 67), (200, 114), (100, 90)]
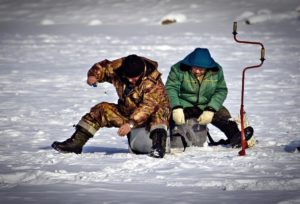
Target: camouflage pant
[(110, 115)]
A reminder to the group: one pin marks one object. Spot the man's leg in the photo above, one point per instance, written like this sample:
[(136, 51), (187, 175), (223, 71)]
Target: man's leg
[(159, 131), (222, 121), (102, 115)]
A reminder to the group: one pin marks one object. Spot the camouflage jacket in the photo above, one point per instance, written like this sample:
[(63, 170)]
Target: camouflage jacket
[(140, 102)]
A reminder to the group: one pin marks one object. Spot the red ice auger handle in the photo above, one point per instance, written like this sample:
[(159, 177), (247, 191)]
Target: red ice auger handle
[(262, 58)]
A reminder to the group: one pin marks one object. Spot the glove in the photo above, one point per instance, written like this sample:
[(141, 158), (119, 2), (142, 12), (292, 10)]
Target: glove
[(206, 117), (192, 112), (178, 116)]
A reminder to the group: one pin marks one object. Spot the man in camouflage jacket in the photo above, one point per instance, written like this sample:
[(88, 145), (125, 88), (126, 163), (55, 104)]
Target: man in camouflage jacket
[(143, 102)]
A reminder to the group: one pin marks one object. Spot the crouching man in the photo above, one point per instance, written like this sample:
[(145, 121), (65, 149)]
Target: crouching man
[(143, 103), (197, 90)]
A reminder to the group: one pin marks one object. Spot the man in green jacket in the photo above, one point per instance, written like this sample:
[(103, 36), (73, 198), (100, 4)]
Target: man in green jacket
[(197, 89)]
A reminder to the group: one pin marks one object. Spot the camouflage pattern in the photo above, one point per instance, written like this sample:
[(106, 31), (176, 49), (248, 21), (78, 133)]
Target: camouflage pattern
[(145, 104)]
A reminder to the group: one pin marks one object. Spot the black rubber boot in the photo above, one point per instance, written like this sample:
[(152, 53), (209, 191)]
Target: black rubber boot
[(159, 138), (235, 141), (232, 132), (75, 143)]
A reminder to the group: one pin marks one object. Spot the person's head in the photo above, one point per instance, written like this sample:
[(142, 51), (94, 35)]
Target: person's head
[(198, 71), (199, 61), (133, 68)]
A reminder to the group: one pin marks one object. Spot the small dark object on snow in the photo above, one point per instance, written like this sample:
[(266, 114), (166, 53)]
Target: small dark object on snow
[(247, 22), (168, 21)]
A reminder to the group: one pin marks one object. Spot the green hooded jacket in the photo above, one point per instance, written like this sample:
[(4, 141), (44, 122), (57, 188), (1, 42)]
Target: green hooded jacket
[(185, 90)]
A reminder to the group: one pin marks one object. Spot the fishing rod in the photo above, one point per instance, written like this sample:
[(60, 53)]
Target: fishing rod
[(242, 112)]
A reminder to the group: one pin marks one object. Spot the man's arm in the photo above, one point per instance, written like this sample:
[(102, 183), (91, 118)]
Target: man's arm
[(152, 98), (173, 86), (103, 71), (220, 94)]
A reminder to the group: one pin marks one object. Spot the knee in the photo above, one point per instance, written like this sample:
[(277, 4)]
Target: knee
[(99, 110), (100, 106), (223, 113)]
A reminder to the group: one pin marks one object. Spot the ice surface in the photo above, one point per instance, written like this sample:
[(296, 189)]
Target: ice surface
[(46, 49)]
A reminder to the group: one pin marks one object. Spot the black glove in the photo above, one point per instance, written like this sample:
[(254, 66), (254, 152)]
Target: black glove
[(192, 112)]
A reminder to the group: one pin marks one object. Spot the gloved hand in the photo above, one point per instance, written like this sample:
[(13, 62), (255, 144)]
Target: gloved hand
[(91, 80), (178, 116), (192, 112), (206, 117)]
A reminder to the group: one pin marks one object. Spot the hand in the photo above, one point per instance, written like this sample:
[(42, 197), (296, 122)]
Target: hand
[(206, 117), (178, 116), (91, 80), (192, 112), (124, 129)]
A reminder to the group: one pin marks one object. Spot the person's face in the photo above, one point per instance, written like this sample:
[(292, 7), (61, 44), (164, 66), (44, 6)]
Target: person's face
[(133, 80), (198, 71)]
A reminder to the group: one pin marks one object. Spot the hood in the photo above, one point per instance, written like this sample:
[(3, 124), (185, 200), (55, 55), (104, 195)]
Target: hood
[(200, 57)]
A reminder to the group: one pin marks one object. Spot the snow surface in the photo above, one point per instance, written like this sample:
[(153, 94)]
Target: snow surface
[(46, 49)]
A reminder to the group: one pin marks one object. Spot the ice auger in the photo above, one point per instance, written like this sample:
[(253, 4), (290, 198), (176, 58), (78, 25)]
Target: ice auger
[(243, 141)]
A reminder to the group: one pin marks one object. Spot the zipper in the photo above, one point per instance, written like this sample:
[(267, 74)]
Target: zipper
[(199, 84)]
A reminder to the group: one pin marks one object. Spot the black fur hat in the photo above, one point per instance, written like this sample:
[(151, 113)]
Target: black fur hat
[(133, 66)]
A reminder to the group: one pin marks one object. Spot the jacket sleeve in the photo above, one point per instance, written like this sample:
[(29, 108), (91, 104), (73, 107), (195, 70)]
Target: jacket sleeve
[(220, 94), (173, 86), (104, 71), (150, 104)]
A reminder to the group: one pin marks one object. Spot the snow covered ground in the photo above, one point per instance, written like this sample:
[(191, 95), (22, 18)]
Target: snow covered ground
[(46, 48)]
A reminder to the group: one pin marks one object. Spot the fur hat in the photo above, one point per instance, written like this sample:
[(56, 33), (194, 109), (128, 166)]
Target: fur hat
[(133, 66)]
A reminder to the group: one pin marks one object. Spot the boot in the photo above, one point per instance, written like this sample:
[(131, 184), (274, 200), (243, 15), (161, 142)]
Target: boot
[(235, 141), (75, 143), (159, 138), (232, 132)]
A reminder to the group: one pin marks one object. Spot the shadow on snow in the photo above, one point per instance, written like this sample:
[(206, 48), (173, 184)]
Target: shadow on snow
[(94, 149)]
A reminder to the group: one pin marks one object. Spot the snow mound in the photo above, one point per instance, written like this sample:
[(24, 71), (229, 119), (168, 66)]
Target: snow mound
[(245, 15), (266, 15), (261, 16), (46, 22), (173, 18), (95, 22)]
